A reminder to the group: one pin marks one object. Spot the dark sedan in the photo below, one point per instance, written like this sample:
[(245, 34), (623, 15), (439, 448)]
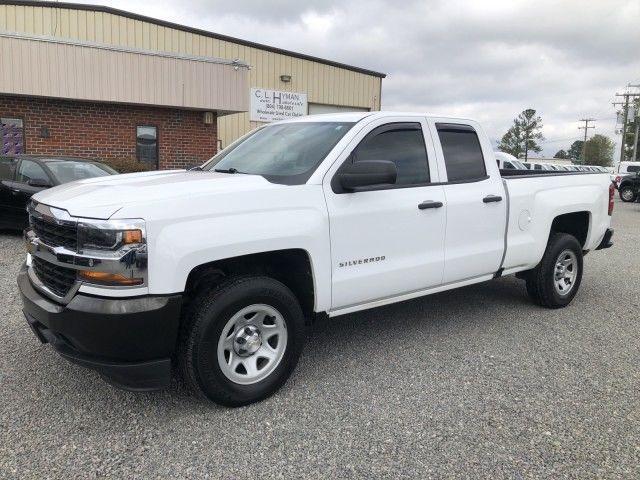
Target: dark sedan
[(21, 176)]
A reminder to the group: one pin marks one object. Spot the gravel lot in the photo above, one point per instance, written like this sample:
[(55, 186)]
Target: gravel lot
[(476, 383)]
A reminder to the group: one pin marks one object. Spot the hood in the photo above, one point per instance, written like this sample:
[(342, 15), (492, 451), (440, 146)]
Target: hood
[(102, 197)]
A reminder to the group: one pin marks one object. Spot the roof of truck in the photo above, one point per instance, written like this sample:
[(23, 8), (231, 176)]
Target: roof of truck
[(357, 116)]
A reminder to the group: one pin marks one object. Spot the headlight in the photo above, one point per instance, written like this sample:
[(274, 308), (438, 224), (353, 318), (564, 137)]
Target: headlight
[(91, 238), (112, 253), (110, 236)]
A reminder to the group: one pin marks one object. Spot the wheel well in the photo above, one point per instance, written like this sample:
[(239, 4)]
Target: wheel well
[(291, 267), (575, 223)]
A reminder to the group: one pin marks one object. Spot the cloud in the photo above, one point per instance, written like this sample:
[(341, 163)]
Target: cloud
[(487, 60)]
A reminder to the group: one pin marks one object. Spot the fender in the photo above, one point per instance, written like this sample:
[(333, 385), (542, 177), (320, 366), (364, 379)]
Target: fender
[(284, 217)]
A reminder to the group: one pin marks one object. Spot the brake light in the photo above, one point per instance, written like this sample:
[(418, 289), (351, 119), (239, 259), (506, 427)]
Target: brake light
[(612, 191)]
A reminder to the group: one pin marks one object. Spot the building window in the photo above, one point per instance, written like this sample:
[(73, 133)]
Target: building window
[(147, 145), (12, 136)]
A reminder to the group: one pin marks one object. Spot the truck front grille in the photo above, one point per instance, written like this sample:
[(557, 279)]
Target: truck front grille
[(57, 279), (54, 234)]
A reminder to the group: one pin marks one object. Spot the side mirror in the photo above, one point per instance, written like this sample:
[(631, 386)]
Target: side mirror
[(38, 182), (358, 175)]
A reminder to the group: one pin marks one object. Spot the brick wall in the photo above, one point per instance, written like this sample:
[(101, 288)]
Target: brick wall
[(108, 131)]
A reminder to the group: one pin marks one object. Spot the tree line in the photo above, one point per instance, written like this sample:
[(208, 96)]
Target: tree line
[(525, 136)]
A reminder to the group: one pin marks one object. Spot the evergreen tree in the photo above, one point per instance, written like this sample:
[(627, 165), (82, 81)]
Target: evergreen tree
[(523, 136)]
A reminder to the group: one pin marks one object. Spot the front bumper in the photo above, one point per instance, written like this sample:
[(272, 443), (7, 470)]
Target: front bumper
[(606, 240), (130, 341)]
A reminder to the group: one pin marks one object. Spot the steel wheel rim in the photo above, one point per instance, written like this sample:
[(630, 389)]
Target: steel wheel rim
[(565, 272), (627, 194), (252, 344)]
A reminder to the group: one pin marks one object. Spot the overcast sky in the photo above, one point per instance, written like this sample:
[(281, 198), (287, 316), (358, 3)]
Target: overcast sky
[(486, 59)]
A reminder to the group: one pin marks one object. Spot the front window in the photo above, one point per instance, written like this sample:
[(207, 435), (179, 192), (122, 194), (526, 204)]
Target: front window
[(68, 171), (147, 145), (287, 153), (402, 144), (30, 170)]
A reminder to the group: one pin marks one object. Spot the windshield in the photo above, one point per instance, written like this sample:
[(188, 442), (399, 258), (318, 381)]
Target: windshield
[(519, 165), (67, 171), (287, 153)]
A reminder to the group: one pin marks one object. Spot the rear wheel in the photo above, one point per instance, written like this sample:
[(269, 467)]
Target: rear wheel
[(241, 340), (627, 194), (556, 279)]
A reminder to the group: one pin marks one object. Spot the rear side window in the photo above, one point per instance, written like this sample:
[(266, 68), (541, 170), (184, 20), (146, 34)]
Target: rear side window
[(402, 144), (633, 168), (462, 153)]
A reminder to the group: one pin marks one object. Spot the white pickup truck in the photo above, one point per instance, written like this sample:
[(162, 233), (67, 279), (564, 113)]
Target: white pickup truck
[(219, 270)]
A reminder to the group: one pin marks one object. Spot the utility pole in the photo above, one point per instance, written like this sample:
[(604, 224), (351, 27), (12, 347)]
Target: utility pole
[(635, 139), (586, 129), (626, 97)]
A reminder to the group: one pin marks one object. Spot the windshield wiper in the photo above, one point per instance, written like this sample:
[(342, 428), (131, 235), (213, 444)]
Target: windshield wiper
[(227, 170)]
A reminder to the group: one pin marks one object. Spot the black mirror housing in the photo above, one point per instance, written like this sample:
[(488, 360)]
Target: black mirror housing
[(367, 173), (38, 182)]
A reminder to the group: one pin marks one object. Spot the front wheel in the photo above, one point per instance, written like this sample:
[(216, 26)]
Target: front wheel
[(241, 340), (627, 194), (556, 279)]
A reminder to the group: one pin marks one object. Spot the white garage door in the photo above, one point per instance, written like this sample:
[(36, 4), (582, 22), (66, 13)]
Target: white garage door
[(318, 108)]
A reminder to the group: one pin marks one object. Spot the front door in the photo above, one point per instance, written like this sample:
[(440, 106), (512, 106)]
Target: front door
[(27, 171), (387, 241)]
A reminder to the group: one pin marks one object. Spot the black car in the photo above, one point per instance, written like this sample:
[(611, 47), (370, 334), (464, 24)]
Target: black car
[(22, 175), (629, 187)]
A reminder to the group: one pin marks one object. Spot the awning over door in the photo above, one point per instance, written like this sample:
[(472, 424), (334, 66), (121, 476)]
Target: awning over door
[(47, 67)]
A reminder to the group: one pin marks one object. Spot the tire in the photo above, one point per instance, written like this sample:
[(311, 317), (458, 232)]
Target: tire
[(225, 371), (543, 286), (627, 194)]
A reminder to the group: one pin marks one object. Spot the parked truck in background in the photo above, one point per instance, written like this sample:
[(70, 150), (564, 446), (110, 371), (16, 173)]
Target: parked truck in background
[(219, 270)]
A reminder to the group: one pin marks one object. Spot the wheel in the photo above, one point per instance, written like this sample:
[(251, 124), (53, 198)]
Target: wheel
[(241, 340), (556, 279), (627, 194)]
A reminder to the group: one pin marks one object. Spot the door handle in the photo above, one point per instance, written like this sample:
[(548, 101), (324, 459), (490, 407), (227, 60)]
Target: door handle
[(429, 204), (15, 191), (492, 198)]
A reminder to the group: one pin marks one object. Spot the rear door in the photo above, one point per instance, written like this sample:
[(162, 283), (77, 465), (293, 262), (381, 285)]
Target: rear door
[(476, 203), (387, 241)]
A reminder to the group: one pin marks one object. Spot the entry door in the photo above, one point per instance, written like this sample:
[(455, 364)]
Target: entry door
[(476, 207), (383, 243)]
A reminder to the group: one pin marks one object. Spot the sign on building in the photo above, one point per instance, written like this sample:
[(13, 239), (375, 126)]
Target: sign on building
[(272, 105)]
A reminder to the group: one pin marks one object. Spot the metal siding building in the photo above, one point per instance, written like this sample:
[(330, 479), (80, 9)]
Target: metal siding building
[(328, 85)]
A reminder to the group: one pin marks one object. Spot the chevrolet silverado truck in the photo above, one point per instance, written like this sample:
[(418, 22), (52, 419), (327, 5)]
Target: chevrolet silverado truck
[(215, 273)]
